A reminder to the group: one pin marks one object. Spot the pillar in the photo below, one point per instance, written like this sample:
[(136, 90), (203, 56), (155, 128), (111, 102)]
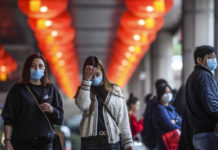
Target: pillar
[(198, 23), (161, 53)]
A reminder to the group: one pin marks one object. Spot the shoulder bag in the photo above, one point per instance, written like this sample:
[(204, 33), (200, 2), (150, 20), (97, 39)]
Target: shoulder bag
[(56, 140)]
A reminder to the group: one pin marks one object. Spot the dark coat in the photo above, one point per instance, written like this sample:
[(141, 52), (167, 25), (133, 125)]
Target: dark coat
[(162, 117), (202, 100)]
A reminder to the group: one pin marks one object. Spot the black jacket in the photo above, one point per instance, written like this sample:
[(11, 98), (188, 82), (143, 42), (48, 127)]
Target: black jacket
[(22, 113), (202, 100)]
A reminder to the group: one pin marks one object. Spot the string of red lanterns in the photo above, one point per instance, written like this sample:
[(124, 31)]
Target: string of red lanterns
[(7, 64), (139, 25), (51, 24)]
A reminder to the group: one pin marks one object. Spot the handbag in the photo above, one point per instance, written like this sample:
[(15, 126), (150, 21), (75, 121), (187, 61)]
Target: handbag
[(56, 139), (171, 139), (105, 106)]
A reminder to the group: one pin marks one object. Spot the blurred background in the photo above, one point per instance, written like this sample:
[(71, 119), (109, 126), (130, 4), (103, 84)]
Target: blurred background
[(139, 41)]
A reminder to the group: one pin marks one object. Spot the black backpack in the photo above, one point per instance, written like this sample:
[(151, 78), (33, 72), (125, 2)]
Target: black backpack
[(149, 132)]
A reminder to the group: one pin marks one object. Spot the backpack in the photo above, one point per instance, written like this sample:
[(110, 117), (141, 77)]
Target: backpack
[(149, 132)]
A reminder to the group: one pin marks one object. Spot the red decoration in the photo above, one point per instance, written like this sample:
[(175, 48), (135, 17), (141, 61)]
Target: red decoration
[(139, 38), (56, 36), (133, 23), (149, 8), (42, 8), (59, 22)]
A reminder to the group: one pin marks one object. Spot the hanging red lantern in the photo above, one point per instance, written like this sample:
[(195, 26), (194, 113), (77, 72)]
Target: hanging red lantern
[(60, 22), (149, 8), (2, 51), (133, 23), (57, 47), (7, 64), (139, 38), (132, 49), (56, 36), (42, 8)]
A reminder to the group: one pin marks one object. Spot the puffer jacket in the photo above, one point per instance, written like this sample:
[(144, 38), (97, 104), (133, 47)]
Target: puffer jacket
[(202, 100), (116, 104)]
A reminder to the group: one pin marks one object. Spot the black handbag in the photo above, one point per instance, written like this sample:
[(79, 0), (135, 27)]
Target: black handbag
[(57, 143), (105, 106), (56, 139)]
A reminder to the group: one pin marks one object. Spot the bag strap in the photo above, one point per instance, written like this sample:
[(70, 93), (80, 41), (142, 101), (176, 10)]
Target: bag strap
[(39, 107)]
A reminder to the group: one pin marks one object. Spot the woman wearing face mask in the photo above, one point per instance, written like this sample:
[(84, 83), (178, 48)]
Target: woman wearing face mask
[(105, 115), (164, 115), (25, 126)]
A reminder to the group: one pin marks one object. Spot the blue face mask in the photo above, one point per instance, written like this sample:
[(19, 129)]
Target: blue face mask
[(211, 64), (97, 81), (36, 74)]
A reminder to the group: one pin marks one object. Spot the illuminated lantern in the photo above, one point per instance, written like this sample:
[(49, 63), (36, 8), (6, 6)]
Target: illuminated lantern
[(128, 48), (59, 22), (2, 51), (56, 36), (139, 38), (42, 8), (57, 47), (133, 23), (7, 64), (149, 8)]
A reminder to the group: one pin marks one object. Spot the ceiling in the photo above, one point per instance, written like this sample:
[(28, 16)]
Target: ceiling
[(95, 23)]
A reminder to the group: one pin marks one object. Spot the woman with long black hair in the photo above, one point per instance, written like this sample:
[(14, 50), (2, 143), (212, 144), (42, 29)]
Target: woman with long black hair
[(164, 116)]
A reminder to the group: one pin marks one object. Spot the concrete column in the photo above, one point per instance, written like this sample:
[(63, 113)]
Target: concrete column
[(161, 53), (198, 29), (140, 82)]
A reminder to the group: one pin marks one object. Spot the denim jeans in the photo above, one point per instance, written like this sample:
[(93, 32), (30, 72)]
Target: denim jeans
[(205, 141)]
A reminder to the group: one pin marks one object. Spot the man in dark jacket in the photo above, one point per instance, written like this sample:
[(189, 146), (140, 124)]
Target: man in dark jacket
[(202, 99)]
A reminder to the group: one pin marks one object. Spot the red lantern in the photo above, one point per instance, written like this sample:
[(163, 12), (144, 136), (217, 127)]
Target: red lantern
[(59, 22), (133, 23), (7, 64), (56, 36), (138, 38), (2, 51), (42, 8), (132, 49), (149, 8), (57, 47)]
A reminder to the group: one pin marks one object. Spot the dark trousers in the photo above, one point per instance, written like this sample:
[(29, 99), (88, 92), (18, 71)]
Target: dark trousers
[(33, 145), (98, 143)]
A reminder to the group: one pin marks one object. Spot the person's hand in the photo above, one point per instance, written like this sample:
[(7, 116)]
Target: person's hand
[(129, 148), (46, 107), (8, 145), (88, 72), (173, 121)]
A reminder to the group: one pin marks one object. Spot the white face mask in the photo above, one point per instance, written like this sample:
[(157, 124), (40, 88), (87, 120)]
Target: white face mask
[(167, 97)]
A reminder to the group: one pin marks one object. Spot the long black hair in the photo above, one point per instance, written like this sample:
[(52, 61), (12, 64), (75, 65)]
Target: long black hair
[(161, 89), (131, 100)]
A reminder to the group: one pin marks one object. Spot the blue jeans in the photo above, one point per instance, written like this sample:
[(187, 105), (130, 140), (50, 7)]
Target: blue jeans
[(205, 141)]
